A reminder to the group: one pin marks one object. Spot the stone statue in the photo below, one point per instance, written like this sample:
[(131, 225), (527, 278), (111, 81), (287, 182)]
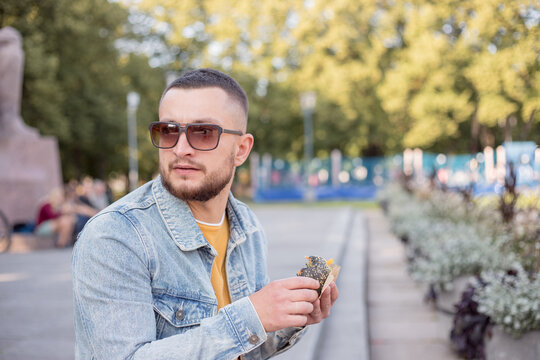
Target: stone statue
[(11, 78), (29, 163)]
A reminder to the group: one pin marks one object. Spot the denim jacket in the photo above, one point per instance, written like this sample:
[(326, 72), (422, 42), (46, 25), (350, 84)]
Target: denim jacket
[(142, 290)]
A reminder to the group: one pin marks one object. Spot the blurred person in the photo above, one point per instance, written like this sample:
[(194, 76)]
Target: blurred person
[(79, 205), (85, 190), (177, 268), (98, 196), (56, 219)]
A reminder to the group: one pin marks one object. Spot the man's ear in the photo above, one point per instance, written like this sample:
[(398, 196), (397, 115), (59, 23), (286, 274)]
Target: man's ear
[(244, 148)]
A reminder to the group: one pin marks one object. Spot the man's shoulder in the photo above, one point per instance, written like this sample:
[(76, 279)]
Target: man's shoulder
[(141, 197), (117, 220)]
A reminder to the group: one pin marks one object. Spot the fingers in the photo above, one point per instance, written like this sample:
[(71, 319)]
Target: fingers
[(297, 320), (300, 282), (292, 302), (317, 312), (335, 292), (301, 308), (326, 302), (304, 295), (285, 303), (316, 315), (321, 308)]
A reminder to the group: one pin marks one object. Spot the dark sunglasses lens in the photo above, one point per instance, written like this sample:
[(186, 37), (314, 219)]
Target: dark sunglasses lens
[(203, 137), (164, 135)]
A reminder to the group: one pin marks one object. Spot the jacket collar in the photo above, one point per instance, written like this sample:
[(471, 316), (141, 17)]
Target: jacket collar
[(181, 224), (240, 227), (178, 218)]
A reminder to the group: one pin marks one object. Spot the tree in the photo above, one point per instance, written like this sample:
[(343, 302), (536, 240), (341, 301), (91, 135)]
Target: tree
[(445, 76), (148, 83), (388, 75), (505, 68), (286, 48), (75, 80), (424, 91)]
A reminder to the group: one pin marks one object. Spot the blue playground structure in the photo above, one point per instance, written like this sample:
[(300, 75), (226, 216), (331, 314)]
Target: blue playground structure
[(344, 178)]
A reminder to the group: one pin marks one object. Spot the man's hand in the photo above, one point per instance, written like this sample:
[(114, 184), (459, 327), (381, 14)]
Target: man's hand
[(322, 306), (289, 302)]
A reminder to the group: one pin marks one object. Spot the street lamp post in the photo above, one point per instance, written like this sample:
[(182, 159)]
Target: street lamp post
[(132, 104), (307, 104)]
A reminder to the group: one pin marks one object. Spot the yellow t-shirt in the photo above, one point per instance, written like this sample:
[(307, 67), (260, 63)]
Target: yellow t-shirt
[(218, 236)]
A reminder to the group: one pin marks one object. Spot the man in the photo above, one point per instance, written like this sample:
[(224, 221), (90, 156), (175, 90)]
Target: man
[(177, 268)]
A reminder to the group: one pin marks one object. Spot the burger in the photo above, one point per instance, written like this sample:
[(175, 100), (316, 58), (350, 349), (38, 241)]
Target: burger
[(320, 269)]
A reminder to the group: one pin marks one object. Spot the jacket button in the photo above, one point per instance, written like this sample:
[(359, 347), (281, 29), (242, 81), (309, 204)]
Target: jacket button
[(180, 314), (253, 339)]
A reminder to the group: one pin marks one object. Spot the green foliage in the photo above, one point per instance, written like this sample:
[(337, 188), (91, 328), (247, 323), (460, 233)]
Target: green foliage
[(75, 83), (511, 299), (445, 76), (388, 75)]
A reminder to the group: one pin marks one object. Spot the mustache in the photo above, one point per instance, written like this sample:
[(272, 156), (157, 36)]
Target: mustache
[(184, 162)]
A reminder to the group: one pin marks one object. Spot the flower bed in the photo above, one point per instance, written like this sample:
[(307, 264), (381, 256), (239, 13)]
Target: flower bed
[(494, 241)]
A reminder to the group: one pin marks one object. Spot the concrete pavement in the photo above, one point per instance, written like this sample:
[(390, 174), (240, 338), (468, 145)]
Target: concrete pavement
[(338, 233), (401, 326), (36, 311), (345, 332)]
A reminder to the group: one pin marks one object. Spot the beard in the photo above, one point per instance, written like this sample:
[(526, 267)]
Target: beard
[(211, 186)]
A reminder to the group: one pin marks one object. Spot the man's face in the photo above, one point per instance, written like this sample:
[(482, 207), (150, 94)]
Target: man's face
[(194, 175)]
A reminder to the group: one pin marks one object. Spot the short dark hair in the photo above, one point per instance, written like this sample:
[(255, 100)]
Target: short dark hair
[(205, 78)]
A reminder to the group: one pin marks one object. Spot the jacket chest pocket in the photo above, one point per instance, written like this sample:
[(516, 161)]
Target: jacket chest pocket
[(176, 314)]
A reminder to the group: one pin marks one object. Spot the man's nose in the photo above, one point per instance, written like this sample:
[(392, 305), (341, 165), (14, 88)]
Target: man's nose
[(182, 147)]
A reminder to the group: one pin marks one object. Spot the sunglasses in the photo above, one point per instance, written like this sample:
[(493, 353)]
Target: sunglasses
[(203, 137)]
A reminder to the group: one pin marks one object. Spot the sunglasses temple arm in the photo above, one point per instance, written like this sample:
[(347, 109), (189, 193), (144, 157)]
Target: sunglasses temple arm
[(235, 132)]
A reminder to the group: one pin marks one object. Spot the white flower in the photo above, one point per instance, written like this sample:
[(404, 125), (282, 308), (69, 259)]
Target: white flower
[(448, 238)]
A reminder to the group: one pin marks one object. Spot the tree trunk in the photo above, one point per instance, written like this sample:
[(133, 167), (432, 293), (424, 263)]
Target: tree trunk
[(508, 129), (475, 130), (528, 125), (486, 137)]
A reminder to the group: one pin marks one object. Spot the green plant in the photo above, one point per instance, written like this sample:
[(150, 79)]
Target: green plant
[(511, 299)]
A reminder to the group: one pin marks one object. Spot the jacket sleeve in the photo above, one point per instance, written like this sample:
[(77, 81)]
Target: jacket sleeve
[(277, 342), (114, 315)]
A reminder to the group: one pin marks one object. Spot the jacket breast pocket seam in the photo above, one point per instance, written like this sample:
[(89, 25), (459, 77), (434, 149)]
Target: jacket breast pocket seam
[(166, 319), (192, 311)]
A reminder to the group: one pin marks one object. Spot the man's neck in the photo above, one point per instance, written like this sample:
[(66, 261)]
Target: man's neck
[(210, 211)]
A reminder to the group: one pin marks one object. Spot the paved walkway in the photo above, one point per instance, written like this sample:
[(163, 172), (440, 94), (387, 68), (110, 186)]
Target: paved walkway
[(400, 325), (36, 308), (36, 311), (338, 233)]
